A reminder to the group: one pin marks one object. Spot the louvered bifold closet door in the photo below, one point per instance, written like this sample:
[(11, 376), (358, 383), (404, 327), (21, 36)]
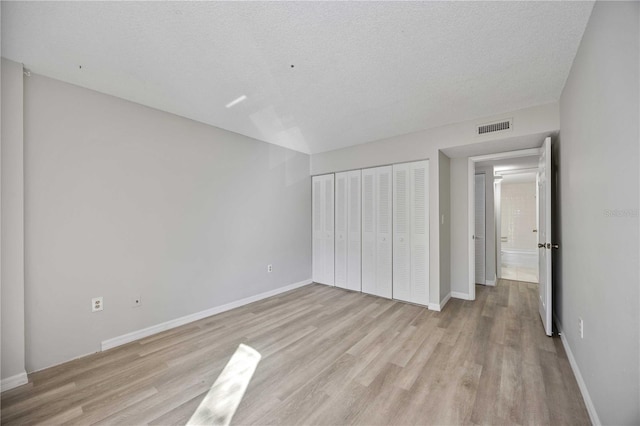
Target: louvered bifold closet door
[(369, 231), (354, 231), (318, 229), (401, 232), (384, 232), (411, 232), (323, 232), (419, 232), (328, 216), (341, 234)]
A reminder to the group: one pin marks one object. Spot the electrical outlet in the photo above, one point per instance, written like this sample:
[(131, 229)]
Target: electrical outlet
[(97, 304), (581, 327), (269, 268), (137, 301)]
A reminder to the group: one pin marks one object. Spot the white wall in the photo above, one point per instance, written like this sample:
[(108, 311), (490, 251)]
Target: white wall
[(456, 140), (125, 201), (12, 219), (599, 200), (460, 226)]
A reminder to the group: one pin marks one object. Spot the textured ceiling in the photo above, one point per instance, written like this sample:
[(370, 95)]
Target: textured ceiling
[(362, 70)]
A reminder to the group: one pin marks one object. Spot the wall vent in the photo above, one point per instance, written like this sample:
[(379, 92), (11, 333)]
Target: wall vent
[(498, 126)]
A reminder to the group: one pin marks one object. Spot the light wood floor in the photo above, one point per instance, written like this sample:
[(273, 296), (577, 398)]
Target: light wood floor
[(329, 356)]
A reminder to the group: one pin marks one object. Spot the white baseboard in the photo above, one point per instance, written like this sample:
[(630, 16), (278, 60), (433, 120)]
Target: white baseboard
[(459, 295), (13, 381), (591, 409), (439, 306), (154, 329)]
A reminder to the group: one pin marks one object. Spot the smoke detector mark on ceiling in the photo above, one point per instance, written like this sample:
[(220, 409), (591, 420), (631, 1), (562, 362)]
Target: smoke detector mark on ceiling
[(496, 126)]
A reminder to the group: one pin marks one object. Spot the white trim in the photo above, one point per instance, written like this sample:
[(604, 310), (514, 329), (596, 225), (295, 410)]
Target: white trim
[(471, 229), (460, 295), (443, 302), (591, 409), (154, 329), (490, 282), (13, 381), (434, 307)]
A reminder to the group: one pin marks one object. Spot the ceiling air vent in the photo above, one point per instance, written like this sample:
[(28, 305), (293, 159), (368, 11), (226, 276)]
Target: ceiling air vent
[(498, 126)]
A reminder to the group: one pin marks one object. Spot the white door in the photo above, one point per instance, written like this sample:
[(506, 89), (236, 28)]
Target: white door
[(368, 231), (317, 248), (341, 233), (377, 231), (323, 229), (402, 232), (384, 232), (329, 230), (354, 231), (420, 232), (544, 236), (480, 241), (411, 232)]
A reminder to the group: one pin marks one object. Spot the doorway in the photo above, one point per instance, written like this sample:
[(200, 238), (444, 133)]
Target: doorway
[(517, 228), (518, 244), (487, 250)]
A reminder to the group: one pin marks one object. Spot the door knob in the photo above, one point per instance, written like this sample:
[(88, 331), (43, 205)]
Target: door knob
[(541, 245), (555, 246)]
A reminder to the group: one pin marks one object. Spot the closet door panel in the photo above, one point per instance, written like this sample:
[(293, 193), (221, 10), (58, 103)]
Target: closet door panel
[(341, 234), (368, 231), (401, 232), (329, 230), (318, 228), (354, 231), (420, 232), (384, 230)]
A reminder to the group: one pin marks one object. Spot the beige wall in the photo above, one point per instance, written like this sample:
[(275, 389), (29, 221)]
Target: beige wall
[(12, 219), (125, 201)]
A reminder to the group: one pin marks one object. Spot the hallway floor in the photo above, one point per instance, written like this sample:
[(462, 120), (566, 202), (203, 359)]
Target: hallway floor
[(519, 273)]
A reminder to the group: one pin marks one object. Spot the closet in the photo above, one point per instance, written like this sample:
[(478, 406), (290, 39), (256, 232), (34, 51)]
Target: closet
[(411, 232), (371, 231), (322, 206), (376, 231), (348, 230)]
